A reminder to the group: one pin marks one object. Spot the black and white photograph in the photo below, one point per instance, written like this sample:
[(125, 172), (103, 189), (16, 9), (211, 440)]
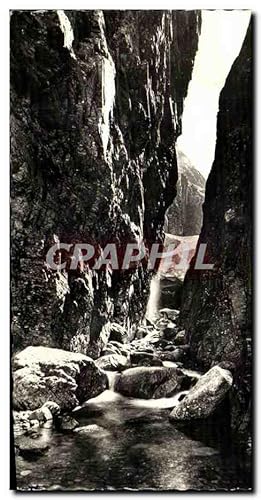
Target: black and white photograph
[(131, 250)]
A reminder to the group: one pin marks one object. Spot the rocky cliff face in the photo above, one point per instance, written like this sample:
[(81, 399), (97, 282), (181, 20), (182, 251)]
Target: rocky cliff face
[(184, 216), (96, 101), (216, 305)]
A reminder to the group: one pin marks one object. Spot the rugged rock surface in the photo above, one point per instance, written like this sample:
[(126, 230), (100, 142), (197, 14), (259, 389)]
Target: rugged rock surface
[(204, 398), (96, 101), (112, 362), (151, 382), (172, 270), (43, 374), (216, 304), (184, 216), (30, 448)]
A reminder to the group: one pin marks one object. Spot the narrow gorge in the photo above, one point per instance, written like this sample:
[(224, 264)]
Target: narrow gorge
[(131, 364)]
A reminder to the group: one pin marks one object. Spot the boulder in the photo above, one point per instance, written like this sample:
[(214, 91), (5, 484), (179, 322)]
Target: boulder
[(92, 430), (118, 333), (180, 338), (31, 448), (171, 291), (120, 348), (178, 354), (21, 422), (42, 374), (153, 337), (171, 314), (170, 331), (144, 358), (112, 362), (68, 423), (151, 382), (43, 415), (206, 395)]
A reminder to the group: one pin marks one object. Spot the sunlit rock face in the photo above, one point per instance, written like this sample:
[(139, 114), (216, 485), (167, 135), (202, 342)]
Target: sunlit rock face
[(216, 305), (96, 103), (184, 216)]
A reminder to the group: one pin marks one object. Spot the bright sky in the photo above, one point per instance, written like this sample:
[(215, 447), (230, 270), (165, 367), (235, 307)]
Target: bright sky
[(222, 35)]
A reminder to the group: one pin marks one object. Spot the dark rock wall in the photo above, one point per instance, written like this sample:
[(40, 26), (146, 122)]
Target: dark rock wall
[(216, 305), (93, 126), (184, 216)]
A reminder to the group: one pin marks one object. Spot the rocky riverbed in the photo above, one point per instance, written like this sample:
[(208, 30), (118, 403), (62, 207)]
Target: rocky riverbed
[(147, 415)]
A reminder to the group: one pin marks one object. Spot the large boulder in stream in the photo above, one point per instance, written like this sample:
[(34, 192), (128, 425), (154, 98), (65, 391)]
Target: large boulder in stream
[(204, 398), (44, 374), (112, 362), (152, 382)]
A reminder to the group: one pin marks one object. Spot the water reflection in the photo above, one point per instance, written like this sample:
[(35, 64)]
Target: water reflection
[(137, 448)]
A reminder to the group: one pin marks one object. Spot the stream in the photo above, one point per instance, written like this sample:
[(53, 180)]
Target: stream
[(133, 446)]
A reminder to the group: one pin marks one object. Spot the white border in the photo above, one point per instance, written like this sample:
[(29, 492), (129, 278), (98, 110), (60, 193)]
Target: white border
[(4, 198)]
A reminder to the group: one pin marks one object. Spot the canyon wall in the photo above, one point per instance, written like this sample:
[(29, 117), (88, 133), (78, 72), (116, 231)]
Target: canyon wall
[(184, 216), (96, 104), (216, 304)]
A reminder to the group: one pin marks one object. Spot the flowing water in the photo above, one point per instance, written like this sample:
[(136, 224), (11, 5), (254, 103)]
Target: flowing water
[(135, 447)]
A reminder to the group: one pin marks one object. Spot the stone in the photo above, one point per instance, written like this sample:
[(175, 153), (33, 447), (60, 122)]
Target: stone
[(118, 348), (92, 429), (31, 448), (118, 333), (178, 354), (143, 358), (112, 362), (170, 331), (205, 396), (180, 338), (53, 407), (21, 422), (68, 423), (151, 382), (171, 290), (171, 314), (43, 415), (42, 374)]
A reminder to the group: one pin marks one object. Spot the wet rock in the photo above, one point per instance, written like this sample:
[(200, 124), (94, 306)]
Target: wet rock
[(42, 414), (25, 473), (154, 337), (171, 314), (92, 429), (178, 354), (150, 382), (206, 395), (120, 348), (144, 358), (118, 333), (68, 423), (53, 407), (30, 448), (180, 338), (170, 331), (112, 362), (171, 291), (21, 422), (42, 374)]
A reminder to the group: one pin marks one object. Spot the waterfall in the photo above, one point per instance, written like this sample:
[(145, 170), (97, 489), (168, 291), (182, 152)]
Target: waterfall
[(154, 297)]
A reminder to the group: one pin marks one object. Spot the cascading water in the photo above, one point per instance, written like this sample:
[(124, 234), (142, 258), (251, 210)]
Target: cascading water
[(154, 298)]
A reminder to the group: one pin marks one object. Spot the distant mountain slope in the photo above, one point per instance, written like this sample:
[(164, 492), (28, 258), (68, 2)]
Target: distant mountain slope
[(184, 216)]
